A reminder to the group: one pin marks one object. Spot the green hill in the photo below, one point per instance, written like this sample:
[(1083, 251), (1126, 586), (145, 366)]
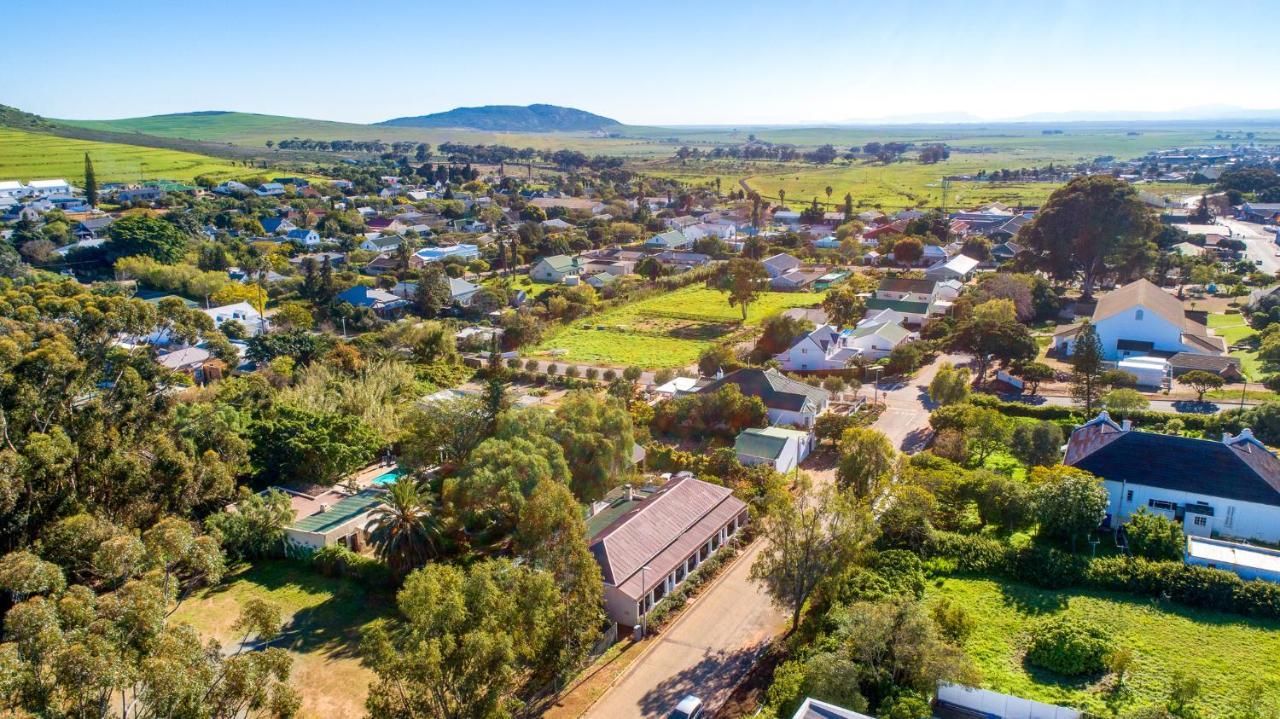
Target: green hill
[(34, 155), (510, 118)]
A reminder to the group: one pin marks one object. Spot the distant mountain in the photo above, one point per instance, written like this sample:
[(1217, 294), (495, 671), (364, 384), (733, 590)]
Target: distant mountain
[(510, 118)]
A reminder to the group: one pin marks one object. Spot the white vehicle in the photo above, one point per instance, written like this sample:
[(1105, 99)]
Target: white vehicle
[(689, 708)]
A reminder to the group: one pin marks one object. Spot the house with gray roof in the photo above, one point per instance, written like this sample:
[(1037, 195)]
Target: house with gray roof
[(1229, 488), (652, 542), (789, 402), (781, 448)]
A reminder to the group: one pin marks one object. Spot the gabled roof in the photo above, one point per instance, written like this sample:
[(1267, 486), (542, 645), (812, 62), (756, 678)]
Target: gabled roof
[(661, 531), (765, 443), (670, 238), (561, 263), (1239, 468), (1140, 292), (904, 306), (775, 390), (362, 296), (895, 333)]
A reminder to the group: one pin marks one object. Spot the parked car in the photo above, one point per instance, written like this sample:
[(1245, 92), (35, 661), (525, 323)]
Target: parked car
[(689, 708)]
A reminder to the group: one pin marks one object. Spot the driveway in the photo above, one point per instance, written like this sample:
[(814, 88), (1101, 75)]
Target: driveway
[(905, 420), (705, 652)]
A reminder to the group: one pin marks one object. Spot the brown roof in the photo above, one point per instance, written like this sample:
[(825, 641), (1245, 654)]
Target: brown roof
[(662, 531), (1210, 363), (1140, 292)]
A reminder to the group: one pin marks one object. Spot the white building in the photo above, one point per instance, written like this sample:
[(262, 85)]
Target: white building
[(244, 313), (788, 402), (960, 267), (783, 449), (46, 188), (1142, 319), (827, 348), (1229, 488)]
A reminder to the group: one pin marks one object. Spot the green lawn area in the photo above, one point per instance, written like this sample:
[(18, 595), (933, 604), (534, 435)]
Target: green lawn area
[(30, 156), (670, 330), (323, 619), (1226, 652), (1234, 329)]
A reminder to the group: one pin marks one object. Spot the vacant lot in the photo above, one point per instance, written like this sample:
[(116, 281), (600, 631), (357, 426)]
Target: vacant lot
[(1226, 652), (666, 331), (30, 156), (323, 619)]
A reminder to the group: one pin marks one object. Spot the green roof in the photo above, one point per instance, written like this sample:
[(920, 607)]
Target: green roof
[(914, 308), (891, 332), (767, 443), (561, 263), (345, 510)]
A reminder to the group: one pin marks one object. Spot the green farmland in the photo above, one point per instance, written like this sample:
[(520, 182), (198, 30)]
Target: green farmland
[(1227, 653), (670, 330), (28, 156)]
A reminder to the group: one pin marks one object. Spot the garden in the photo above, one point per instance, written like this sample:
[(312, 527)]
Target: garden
[(669, 330)]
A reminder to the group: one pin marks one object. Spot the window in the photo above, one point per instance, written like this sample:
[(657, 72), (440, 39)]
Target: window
[(1230, 519), (1200, 520), (1128, 496), (1161, 504), (1137, 315)]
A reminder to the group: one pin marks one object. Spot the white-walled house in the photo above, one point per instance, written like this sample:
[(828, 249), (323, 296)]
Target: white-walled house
[(915, 300), (647, 544), (828, 348), (244, 313), (781, 448), (1229, 488), (555, 269), (788, 402), (1142, 319)]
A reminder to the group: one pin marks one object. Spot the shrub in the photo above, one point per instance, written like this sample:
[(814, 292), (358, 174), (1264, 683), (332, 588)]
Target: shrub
[(571, 371), (592, 373), (553, 369), (953, 620), (1068, 646), (1154, 536), (531, 365), (609, 375), (513, 362)]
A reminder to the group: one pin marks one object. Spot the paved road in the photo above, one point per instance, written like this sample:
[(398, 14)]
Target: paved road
[(905, 420), (1184, 406), (1260, 246), (706, 652)]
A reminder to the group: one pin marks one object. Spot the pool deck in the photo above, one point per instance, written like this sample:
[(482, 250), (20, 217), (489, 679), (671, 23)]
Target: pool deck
[(364, 478)]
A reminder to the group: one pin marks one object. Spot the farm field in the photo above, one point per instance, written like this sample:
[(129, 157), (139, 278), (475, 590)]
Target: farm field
[(1224, 651), (670, 330), (27, 156), (323, 620), (896, 186)]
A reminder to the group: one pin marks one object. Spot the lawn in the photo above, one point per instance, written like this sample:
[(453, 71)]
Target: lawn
[(669, 330), (1234, 329), (32, 156), (323, 619), (1226, 652)]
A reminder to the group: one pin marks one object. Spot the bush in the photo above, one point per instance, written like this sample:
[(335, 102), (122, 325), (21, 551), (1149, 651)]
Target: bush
[(1067, 646), (1154, 536), (552, 369), (531, 365), (338, 561), (513, 362), (953, 620), (592, 373), (571, 371), (609, 375)]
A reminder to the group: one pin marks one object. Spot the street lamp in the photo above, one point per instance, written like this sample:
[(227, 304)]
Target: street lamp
[(875, 389)]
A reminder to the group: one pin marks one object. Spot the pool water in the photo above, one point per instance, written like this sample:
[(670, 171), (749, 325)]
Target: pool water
[(389, 477)]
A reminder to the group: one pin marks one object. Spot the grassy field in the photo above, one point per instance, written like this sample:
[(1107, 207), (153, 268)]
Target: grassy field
[(29, 156), (253, 130), (1225, 652), (1234, 329), (323, 619), (670, 330)]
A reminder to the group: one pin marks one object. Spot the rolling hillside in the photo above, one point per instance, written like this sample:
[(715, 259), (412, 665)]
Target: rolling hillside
[(511, 118), (31, 155)]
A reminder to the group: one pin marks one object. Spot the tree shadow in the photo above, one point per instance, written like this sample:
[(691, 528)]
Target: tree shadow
[(1032, 601), (1193, 407), (916, 440), (709, 680)]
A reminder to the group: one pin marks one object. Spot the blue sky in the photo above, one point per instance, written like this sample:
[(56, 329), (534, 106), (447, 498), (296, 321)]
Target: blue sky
[(647, 62)]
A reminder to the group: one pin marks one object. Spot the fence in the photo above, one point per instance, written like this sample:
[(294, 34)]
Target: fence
[(998, 706)]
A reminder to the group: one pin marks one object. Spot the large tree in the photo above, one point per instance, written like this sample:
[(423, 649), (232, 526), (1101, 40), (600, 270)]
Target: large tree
[(404, 528), (866, 459), (1070, 503), (145, 235), (1093, 226), (815, 534), (843, 306), (743, 280), (90, 182), (992, 332)]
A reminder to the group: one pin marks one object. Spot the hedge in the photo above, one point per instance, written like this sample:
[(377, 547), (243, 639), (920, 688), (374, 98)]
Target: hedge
[(673, 602), (336, 560), (1200, 422), (1189, 585)]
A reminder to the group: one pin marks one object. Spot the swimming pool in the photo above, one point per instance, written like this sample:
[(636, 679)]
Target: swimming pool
[(389, 477)]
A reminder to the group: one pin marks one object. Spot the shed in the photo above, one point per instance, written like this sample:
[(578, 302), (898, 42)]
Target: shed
[(1149, 371), (1245, 560)]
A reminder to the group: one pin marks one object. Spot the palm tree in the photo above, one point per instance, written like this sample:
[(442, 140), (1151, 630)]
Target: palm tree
[(782, 198), (830, 189), (404, 531)]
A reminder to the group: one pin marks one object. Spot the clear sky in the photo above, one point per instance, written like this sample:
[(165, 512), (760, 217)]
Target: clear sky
[(645, 62)]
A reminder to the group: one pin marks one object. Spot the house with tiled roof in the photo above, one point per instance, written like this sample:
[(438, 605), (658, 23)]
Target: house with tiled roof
[(787, 401), (1140, 319), (653, 541), (1229, 488)]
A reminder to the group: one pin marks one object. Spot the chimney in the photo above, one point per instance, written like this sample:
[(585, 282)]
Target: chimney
[(1126, 425), (631, 495)]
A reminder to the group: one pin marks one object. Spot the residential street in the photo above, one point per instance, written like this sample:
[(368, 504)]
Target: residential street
[(705, 652), (1260, 246), (905, 420)]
